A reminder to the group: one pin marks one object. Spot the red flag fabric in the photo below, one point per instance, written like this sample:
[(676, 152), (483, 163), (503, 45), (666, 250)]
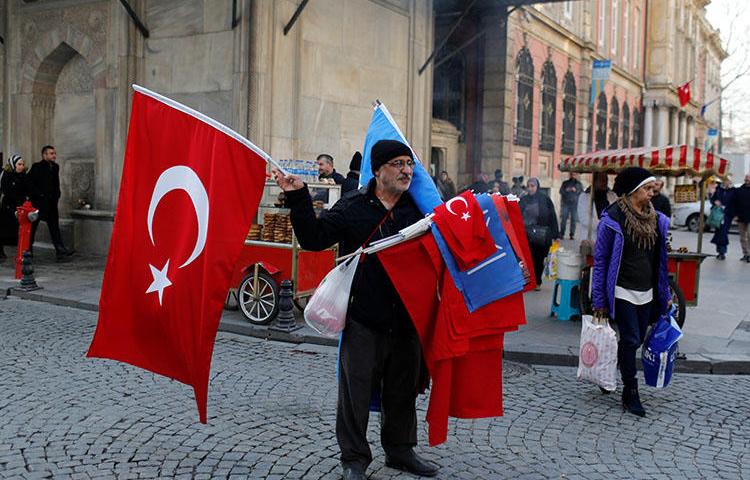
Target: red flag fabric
[(461, 223), (189, 192), (684, 93), (463, 350)]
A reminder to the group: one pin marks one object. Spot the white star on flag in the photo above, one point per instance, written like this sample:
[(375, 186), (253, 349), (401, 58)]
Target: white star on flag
[(160, 280), (465, 217)]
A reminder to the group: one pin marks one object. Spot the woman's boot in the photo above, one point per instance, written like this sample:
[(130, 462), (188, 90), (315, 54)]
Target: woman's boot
[(631, 401)]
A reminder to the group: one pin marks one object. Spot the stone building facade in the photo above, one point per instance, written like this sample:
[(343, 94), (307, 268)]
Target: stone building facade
[(68, 66)]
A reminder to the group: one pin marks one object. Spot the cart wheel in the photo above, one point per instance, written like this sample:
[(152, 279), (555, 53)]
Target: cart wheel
[(260, 308), (678, 299), (693, 223)]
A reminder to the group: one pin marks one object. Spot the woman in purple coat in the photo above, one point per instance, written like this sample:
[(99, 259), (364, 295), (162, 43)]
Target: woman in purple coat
[(630, 281)]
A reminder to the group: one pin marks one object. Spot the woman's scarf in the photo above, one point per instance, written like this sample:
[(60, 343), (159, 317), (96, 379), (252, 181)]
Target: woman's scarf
[(640, 226)]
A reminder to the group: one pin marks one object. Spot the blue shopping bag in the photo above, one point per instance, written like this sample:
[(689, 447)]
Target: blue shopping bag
[(659, 351)]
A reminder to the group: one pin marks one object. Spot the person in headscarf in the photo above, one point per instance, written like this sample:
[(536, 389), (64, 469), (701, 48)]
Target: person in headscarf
[(588, 213), (539, 217), (14, 187), (630, 282), (721, 199)]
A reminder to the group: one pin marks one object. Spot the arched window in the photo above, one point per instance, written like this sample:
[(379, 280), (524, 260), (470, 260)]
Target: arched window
[(614, 124), (601, 122), (549, 107), (569, 114), (524, 97), (625, 125), (635, 139)]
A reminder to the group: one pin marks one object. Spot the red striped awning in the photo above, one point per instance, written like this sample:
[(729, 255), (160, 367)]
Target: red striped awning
[(671, 161)]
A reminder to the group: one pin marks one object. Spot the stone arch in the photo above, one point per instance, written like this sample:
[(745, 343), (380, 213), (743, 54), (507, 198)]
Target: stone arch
[(54, 55)]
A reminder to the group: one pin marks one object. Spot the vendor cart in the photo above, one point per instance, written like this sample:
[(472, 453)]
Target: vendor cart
[(271, 254), (669, 161)]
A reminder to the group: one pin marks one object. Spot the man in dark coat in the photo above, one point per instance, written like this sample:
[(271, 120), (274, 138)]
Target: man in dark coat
[(325, 172), (351, 182), (570, 190), (379, 345), (44, 178), (740, 207), (661, 202)]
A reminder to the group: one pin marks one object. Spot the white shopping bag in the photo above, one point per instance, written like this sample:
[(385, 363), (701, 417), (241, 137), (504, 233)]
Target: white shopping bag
[(326, 311), (597, 357)]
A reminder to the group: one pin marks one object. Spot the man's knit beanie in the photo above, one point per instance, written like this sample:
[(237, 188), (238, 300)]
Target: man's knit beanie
[(386, 150)]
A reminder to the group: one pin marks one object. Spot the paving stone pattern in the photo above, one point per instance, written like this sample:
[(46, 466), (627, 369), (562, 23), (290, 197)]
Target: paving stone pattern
[(272, 412)]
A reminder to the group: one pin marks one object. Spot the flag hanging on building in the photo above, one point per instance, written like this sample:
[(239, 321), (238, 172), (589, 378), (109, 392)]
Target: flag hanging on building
[(684, 93), (599, 74), (189, 192), (383, 127)]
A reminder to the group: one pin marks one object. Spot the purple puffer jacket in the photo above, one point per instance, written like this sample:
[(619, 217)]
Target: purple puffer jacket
[(607, 257)]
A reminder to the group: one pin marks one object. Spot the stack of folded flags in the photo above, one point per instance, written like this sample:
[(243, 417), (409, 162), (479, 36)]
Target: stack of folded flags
[(463, 296)]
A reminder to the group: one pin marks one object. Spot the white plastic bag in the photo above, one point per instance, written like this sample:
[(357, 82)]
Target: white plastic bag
[(597, 356), (326, 311)]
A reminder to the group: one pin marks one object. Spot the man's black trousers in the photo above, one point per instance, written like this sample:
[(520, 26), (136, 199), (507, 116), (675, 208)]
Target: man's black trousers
[(50, 215), (368, 359)]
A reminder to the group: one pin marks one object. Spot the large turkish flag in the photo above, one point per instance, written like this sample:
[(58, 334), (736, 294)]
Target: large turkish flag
[(190, 190)]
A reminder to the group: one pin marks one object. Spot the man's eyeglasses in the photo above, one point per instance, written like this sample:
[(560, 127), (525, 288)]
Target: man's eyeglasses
[(399, 164)]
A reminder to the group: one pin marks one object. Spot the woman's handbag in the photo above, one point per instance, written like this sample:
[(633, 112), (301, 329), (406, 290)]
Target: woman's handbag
[(537, 234), (326, 311), (597, 356)]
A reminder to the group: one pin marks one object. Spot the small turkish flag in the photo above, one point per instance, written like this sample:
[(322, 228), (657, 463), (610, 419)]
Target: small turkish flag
[(684, 93), (461, 223), (189, 192)]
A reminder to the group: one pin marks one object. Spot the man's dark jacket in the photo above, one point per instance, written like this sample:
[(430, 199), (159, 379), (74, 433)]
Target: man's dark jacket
[(351, 182), (336, 176), (740, 203), (661, 204), (44, 178), (374, 301), (570, 198)]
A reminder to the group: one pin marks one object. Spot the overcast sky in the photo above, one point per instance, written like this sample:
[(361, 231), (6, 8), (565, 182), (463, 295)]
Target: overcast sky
[(732, 18)]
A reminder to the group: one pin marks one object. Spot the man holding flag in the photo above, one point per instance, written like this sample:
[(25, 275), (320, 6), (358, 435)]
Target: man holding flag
[(379, 348)]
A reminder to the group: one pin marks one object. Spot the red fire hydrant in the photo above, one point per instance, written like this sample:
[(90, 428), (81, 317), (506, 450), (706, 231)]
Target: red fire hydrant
[(26, 215)]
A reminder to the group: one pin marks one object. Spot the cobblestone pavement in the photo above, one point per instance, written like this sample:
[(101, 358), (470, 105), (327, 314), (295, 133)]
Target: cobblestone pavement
[(271, 415)]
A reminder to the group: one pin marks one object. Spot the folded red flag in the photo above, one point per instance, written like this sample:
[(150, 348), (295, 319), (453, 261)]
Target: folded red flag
[(190, 189), (461, 223), (463, 351)]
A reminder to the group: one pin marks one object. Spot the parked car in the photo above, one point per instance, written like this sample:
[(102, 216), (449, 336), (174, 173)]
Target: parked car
[(687, 215)]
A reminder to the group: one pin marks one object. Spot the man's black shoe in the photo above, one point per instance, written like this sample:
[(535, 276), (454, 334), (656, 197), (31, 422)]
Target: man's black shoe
[(354, 472), (410, 462)]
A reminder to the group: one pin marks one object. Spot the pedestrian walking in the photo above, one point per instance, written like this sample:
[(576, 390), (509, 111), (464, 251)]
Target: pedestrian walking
[(481, 184), (659, 201), (630, 281), (14, 190), (721, 199), (570, 190), (740, 208), (351, 182), (518, 189), (589, 213), (44, 179), (379, 345), (445, 186), (540, 220), (504, 188)]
